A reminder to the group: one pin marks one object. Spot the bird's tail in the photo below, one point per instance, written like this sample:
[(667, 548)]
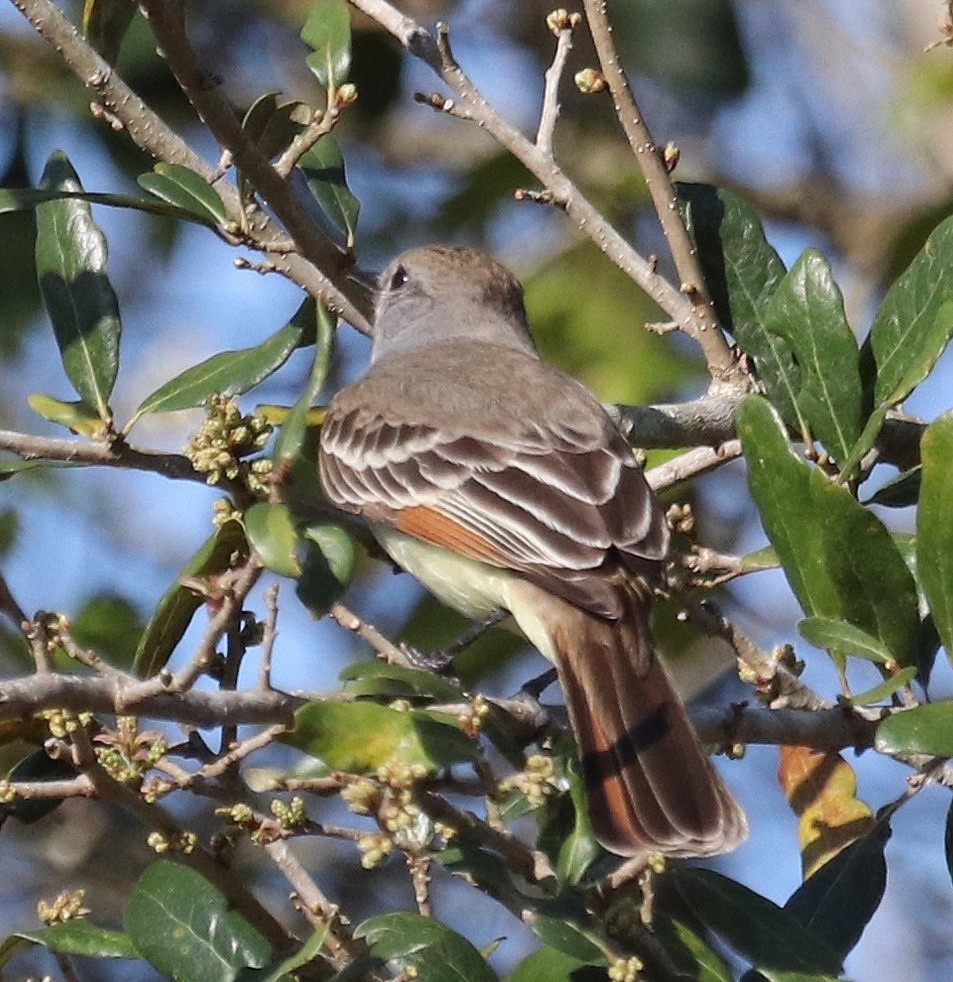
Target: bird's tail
[(650, 786)]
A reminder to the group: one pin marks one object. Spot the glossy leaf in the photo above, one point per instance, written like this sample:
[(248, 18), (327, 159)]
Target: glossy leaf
[(361, 736), (935, 526), (323, 168), (754, 926), (807, 310), (229, 372), (705, 964), (580, 848), (836, 636), (71, 259), (822, 791), (743, 271), (78, 417), (838, 901), (423, 948), (915, 320), (174, 612), (327, 31), (82, 937), (845, 568), (926, 729), (182, 187), (183, 926), (295, 423), (552, 965), (105, 23), (272, 534)]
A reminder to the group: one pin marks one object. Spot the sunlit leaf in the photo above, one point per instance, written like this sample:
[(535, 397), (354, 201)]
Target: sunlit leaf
[(822, 791), (915, 320), (71, 259), (272, 534), (230, 372), (935, 526), (807, 310), (552, 965), (361, 677), (361, 736), (82, 937), (328, 32), (842, 638), (846, 568), (78, 417)]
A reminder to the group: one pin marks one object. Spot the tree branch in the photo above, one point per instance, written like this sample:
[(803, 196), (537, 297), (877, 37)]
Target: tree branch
[(703, 327)]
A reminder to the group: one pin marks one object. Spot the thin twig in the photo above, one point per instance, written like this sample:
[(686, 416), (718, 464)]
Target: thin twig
[(437, 54), (703, 327), (692, 463), (367, 632), (549, 114)]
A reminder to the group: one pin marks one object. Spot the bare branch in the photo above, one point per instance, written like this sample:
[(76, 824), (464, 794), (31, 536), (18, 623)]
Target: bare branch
[(695, 462), (703, 326), (470, 102), (549, 114)]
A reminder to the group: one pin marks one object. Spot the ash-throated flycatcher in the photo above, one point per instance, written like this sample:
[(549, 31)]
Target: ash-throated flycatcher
[(501, 482)]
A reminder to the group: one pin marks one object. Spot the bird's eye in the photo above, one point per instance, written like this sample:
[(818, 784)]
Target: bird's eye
[(400, 277)]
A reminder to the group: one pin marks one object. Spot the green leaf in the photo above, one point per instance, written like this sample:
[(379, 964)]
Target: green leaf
[(915, 320), (105, 23), (327, 31), (361, 736), (948, 840), (561, 933), (845, 639), (78, 417), (303, 956), (755, 927), (229, 372), (886, 688), (838, 901), (188, 191), (429, 949), (807, 310), (27, 199), (935, 526), (182, 925), (580, 848), (844, 568), (552, 965), (924, 729), (901, 491), (705, 965), (272, 125), (173, 614), (272, 534), (71, 267), (742, 272), (81, 937), (327, 565), (111, 625), (323, 168), (414, 681), (294, 426)]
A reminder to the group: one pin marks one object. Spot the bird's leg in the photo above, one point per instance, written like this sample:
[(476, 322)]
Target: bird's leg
[(439, 661)]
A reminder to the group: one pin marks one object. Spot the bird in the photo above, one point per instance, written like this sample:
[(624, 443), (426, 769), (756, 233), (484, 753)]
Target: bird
[(502, 483)]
